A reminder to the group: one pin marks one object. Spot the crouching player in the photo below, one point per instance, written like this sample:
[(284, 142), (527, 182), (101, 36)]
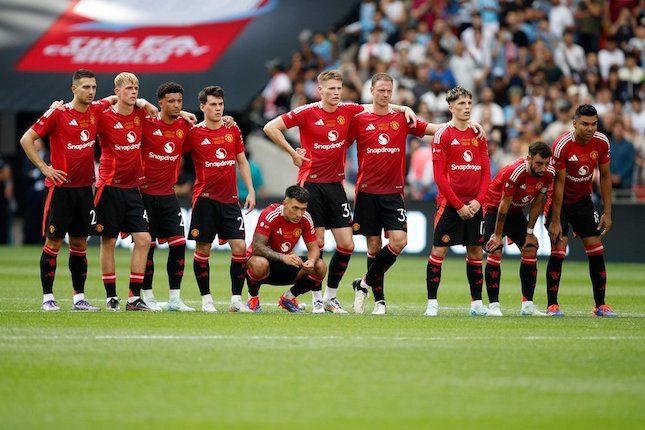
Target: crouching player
[(271, 257), (513, 188)]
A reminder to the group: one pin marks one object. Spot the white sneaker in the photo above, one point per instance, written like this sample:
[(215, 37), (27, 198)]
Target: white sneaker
[(333, 306), (432, 310), (175, 304), (477, 309), (494, 310), (318, 308), (153, 305), (50, 306), (360, 294), (238, 306), (209, 307), (379, 308), (531, 310)]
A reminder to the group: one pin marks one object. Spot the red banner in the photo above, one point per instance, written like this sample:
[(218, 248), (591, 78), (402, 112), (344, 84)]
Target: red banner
[(152, 36)]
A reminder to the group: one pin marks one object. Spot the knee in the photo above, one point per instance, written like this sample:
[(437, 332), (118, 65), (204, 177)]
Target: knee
[(79, 243), (397, 244), (258, 267), (142, 240), (320, 268)]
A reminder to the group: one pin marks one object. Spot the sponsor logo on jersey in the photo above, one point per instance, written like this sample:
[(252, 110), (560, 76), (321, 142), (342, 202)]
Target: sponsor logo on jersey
[(383, 139), (169, 147), (454, 142), (285, 247), (85, 135), (327, 147), (118, 126), (583, 170), (332, 135), (224, 163), (319, 122), (158, 157), (80, 146), (132, 137), (205, 142), (468, 156), (157, 132), (72, 122), (220, 153), (573, 158), (370, 127), (127, 147)]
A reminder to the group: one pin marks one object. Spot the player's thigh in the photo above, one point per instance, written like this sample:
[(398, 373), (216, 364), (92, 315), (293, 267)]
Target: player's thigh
[(136, 217), (169, 220), (204, 221), (474, 230), (281, 273), (84, 214), (448, 228), (110, 208), (584, 219), (490, 221), (367, 218), (57, 215), (393, 212), (338, 212), (231, 223), (515, 228)]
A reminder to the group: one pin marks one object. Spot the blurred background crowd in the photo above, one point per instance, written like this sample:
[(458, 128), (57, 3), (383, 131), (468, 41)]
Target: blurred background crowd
[(529, 64)]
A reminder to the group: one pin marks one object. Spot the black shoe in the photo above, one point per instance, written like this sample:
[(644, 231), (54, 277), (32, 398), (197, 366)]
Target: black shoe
[(356, 285), (113, 305), (137, 305)]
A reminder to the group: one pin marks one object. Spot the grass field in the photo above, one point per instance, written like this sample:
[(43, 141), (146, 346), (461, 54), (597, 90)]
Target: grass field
[(276, 370)]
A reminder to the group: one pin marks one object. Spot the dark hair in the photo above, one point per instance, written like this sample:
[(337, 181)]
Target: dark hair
[(585, 110), (381, 77), (169, 88), (457, 93), (539, 148), (80, 74), (298, 193), (212, 90)]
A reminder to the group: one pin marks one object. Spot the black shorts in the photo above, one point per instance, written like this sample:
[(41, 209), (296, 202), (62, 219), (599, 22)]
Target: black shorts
[(281, 273), (164, 216), (68, 210), (582, 216), (376, 212), (211, 218), (514, 227), (119, 210), (450, 229), (328, 205)]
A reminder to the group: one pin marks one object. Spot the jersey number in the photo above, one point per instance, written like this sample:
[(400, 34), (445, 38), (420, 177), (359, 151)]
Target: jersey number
[(92, 217), (402, 216), (181, 219), (241, 220), (145, 215), (596, 218), (346, 211)]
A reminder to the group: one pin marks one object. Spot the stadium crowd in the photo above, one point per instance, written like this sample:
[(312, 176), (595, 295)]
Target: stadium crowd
[(528, 64)]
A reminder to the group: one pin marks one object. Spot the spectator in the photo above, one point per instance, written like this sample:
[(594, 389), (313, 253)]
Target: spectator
[(277, 91), (623, 157), (570, 57), (462, 66), (6, 198), (560, 17), (372, 51), (631, 77), (420, 175), (256, 178), (588, 16), (637, 115), (560, 125), (487, 106), (33, 197), (610, 55)]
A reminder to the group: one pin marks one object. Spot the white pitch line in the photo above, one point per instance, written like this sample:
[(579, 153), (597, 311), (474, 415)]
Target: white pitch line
[(318, 338)]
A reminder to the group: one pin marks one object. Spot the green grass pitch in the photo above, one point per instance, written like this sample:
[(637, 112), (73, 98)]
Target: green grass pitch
[(276, 370)]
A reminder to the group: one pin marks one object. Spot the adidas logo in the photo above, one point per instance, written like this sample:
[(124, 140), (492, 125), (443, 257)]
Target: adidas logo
[(73, 122), (455, 142), (206, 142), (319, 122), (573, 158), (370, 127), (158, 133), (118, 125)]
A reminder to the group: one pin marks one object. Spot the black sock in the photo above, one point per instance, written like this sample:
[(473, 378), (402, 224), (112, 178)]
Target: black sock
[(48, 269), (598, 274), (78, 269), (475, 278), (150, 269), (237, 272), (252, 284), (433, 275), (136, 282), (109, 282), (493, 274), (553, 275), (337, 267), (528, 277), (175, 265), (202, 273), (374, 277), (305, 284)]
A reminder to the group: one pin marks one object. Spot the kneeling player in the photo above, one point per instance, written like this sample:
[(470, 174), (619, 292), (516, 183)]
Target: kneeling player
[(272, 260), (514, 187)]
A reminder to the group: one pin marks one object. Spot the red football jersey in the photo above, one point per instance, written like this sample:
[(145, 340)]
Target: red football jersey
[(381, 144), (461, 166), (161, 150), (120, 139), (579, 160), (214, 154), (283, 235), (514, 180), (324, 136), (72, 135)]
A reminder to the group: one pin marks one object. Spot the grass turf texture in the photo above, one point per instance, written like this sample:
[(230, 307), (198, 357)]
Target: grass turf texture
[(276, 370)]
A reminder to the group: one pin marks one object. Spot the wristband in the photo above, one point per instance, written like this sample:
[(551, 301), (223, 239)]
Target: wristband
[(529, 231), (141, 103)]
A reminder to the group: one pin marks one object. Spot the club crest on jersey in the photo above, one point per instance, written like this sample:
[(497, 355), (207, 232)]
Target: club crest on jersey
[(340, 119), (394, 125), (356, 226), (475, 142), (468, 156), (169, 147), (285, 247), (179, 133), (132, 137), (220, 153), (92, 119), (539, 185), (194, 232), (297, 232), (85, 135), (99, 228), (445, 238), (594, 155), (52, 229), (583, 170), (228, 138), (383, 139), (137, 121), (332, 135)]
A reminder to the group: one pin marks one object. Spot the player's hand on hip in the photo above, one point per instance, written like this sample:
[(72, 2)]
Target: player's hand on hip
[(299, 157), (56, 176), (605, 224)]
